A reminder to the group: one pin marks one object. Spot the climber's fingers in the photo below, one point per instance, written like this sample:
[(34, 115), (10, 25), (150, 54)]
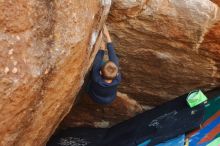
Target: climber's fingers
[(105, 31), (106, 34), (102, 47)]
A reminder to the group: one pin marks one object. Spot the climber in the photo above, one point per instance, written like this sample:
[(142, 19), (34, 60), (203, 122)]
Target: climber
[(105, 76)]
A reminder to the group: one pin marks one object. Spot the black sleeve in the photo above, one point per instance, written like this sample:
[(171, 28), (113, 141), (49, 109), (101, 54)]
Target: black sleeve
[(97, 64), (112, 55)]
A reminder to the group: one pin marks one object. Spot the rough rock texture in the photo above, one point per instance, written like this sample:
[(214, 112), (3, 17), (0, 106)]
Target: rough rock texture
[(166, 47), (216, 1), (87, 113), (46, 48)]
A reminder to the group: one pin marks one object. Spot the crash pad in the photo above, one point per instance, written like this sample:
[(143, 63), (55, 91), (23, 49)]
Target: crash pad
[(178, 141), (215, 142), (160, 124), (210, 128), (194, 140)]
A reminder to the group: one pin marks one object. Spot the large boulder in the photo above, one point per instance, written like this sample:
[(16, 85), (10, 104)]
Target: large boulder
[(166, 47), (87, 113), (216, 1), (46, 48)]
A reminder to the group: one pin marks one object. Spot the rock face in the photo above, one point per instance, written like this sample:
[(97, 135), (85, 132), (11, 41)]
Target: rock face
[(87, 113), (46, 47), (166, 47), (216, 1)]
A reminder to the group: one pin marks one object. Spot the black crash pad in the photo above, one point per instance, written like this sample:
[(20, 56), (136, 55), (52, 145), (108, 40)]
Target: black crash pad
[(162, 123)]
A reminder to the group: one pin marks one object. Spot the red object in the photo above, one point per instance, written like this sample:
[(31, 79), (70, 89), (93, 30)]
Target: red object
[(211, 135), (208, 121)]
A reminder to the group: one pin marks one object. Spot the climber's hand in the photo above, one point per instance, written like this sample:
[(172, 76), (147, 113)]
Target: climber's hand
[(102, 47), (106, 34)]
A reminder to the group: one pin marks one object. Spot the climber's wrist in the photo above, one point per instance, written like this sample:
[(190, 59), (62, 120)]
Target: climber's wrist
[(109, 40), (102, 48)]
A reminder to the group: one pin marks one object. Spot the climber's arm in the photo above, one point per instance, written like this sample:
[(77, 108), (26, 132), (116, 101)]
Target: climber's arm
[(97, 64), (111, 51)]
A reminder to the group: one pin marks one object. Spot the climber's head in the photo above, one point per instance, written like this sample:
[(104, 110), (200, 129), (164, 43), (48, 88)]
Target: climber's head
[(109, 70)]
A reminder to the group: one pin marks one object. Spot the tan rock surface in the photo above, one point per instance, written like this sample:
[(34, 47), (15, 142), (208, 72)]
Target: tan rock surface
[(87, 113), (166, 47), (46, 48), (216, 1)]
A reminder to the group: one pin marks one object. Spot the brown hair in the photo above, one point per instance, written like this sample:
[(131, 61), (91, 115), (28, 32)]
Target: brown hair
[(109, 70)]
